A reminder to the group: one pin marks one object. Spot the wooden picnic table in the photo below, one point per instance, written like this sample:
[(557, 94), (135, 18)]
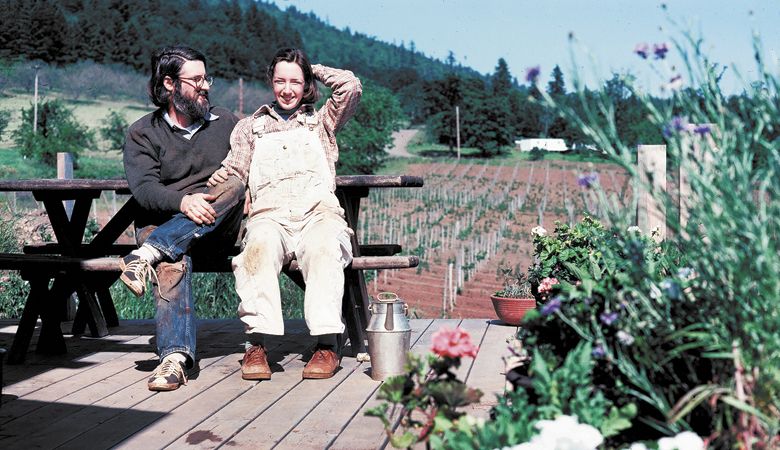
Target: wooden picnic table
[(90, 269)]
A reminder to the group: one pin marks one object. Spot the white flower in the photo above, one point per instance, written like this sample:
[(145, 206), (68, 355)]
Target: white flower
[(634, 229), (687, 440), (637, 446), (625, 338), (473, 422), (538, 231), (563, 433)]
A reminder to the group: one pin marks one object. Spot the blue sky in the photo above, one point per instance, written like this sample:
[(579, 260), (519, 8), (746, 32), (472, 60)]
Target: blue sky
[(529, 33)]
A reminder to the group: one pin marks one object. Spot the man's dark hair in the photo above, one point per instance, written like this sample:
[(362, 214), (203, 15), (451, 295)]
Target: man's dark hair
[(167, 62), (297, 56)]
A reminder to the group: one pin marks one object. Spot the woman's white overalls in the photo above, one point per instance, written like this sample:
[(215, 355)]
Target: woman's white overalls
[(294, 213)]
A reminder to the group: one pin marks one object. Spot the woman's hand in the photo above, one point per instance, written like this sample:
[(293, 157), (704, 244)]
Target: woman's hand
[(220, 176)]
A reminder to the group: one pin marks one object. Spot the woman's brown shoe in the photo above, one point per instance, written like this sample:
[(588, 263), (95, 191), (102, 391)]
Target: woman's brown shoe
[(323, 364), (255, 364)]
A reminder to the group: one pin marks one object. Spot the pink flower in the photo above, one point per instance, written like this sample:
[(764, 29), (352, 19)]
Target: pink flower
[(455, 343), (547, 284)]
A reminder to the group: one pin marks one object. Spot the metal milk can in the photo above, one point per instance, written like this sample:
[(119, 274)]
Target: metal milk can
[(389, 334)]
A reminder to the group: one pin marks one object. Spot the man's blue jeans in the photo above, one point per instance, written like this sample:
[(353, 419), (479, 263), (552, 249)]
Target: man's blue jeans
[(180, 239)]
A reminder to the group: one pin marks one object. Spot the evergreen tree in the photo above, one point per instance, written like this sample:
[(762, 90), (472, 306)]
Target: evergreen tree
[(556, 86), (441, 97), (502, 103), (502, 79)]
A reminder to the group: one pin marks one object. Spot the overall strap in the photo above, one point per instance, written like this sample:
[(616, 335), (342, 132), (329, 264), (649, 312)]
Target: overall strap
[(258, 126), (310, 119)]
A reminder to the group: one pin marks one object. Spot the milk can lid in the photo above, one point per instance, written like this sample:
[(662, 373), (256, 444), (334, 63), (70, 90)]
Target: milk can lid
[(387, 297)]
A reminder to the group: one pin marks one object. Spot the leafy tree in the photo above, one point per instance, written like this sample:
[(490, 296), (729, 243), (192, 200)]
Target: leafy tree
[(363, 140), (484, 118), (57, 131), (5, 117), (114, 130)]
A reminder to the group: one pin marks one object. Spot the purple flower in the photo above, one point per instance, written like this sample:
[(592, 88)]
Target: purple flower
[(608, 318), (587, 180), (532, 74), (625, 338), (598, 352), (552, 306), (642, 49), (660, 50), (676, 125), (702, 130)]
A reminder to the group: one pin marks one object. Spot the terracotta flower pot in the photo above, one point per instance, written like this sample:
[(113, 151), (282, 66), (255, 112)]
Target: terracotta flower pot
[(512, 310)]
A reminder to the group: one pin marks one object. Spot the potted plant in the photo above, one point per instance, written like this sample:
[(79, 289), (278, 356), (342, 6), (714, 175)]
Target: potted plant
[(515, 299)]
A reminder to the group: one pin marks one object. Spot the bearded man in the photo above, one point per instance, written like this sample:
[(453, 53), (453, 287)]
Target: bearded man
[(168, 157)]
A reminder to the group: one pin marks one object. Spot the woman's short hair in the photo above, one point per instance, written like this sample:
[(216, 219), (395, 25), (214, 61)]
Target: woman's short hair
[(297, 56), (167, 62)]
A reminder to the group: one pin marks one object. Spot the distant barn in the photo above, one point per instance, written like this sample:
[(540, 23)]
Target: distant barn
[(550, 145)]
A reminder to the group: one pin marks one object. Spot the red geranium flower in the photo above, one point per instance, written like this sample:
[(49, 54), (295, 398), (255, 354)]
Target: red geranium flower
[(455, 343)]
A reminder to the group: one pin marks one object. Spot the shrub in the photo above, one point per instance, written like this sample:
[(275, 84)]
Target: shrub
[(5, 119), (57, 131), (702, 316), (13, 290), (114, 130)]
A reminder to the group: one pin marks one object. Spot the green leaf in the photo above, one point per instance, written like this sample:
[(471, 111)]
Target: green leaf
[(618, 420), (403, 441)]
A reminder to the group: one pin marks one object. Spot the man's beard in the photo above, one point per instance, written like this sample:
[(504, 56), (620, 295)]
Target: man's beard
[(191, 107)]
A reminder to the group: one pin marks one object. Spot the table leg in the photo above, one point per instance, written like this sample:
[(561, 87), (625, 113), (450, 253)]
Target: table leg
[(89, 313), (32, 307), (355, 301), (51, 340)]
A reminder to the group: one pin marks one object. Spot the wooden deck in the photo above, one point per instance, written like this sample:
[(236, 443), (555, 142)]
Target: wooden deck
[(96, 397)]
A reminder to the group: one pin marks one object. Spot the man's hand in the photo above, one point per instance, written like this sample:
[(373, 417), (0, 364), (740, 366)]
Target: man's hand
[(220, 176), (198, 208)]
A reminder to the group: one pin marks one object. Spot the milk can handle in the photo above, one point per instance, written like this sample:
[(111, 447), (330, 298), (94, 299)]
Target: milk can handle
[(389, 317)]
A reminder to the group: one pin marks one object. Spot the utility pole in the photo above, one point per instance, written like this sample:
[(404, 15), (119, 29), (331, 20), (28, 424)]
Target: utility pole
[(457, 129), (35, 100)]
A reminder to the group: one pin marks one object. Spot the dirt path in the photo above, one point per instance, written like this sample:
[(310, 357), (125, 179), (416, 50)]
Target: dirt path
[(401, 139)]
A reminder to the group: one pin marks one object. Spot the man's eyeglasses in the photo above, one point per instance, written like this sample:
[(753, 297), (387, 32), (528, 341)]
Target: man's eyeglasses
[(199, 81)]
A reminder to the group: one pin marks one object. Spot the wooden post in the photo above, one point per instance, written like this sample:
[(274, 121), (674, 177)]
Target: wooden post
[(35, 100), (651, 213), (457, 129), (65, 172), (691, 153)]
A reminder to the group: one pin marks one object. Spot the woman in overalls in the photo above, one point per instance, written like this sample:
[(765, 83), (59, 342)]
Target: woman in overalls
[(286, 153)]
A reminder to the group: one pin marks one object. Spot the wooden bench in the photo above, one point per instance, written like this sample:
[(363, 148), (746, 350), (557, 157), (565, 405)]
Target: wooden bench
[(99, 313), (57, 269)]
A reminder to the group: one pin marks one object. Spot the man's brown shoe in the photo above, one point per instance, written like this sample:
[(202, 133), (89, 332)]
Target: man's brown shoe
[(323, 364), (255, 364)]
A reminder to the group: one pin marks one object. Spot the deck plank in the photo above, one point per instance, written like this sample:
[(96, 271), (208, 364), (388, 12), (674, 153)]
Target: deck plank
[(281, 418), (66, 390), (363, 432), (487, 373), (156, 407), (220, 426), (194, 412), (96, 396)]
